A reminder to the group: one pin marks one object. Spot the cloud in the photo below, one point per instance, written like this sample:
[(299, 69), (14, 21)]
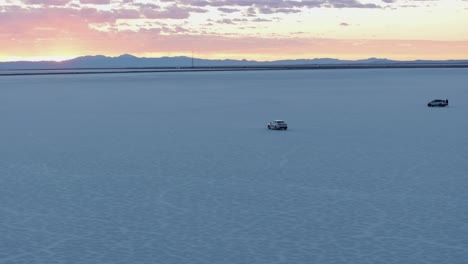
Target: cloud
[(87, 12), (48, 2), (96, 2), (171, 12), (274, 4), (269, 7), (225, 21), (261, 20), (228, 10)]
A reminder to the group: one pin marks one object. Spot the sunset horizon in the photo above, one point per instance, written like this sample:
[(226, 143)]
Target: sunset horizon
[(59, 59), (57, 30)]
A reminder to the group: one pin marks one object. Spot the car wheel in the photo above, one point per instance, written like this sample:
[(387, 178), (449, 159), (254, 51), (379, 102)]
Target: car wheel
[(269, 127), (285, 128)]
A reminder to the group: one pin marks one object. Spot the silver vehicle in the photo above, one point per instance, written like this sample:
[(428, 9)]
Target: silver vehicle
[(277, 125), (438, 102)]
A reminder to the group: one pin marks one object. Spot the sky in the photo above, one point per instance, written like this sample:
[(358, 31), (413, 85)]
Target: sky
[(262, 30)]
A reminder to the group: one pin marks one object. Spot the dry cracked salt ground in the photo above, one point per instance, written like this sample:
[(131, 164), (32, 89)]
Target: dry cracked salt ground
[(179, 168)]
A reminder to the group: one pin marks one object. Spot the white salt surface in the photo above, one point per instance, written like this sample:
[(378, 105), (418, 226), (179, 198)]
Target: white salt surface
[(180, 168)]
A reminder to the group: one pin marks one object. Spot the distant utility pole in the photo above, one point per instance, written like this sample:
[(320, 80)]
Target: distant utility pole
[(192, 59)]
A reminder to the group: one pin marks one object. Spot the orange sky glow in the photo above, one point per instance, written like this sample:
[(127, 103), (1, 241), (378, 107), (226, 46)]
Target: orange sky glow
[(234, 29)]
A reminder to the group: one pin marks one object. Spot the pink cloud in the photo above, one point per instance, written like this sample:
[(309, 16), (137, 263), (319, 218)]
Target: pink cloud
[(280, 3), (96, 2), (48, 2), (171, 12)]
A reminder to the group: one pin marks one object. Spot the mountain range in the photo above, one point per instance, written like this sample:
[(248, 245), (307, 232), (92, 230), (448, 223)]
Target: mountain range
[(130, 61)]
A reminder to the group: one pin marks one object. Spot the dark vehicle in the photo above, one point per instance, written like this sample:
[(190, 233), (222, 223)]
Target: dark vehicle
[(277, 125), (438, 102)]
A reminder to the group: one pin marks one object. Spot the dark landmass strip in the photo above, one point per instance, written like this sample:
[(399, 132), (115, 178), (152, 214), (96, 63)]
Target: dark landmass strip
[(17, 72)]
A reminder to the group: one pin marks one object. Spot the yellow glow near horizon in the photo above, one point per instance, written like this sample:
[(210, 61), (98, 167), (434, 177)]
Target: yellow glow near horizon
[(56, 58)]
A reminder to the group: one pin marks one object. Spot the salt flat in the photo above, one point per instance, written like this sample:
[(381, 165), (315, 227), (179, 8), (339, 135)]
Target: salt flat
[(180, 168)]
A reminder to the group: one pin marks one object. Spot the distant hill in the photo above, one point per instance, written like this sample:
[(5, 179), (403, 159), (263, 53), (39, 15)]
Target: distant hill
[(130, 61)]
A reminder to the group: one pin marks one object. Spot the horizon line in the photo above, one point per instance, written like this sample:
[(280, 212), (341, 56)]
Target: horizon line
[(58, 59)]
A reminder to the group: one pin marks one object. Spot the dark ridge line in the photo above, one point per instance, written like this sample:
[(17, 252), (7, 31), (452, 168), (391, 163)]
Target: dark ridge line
[(73, 71)]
